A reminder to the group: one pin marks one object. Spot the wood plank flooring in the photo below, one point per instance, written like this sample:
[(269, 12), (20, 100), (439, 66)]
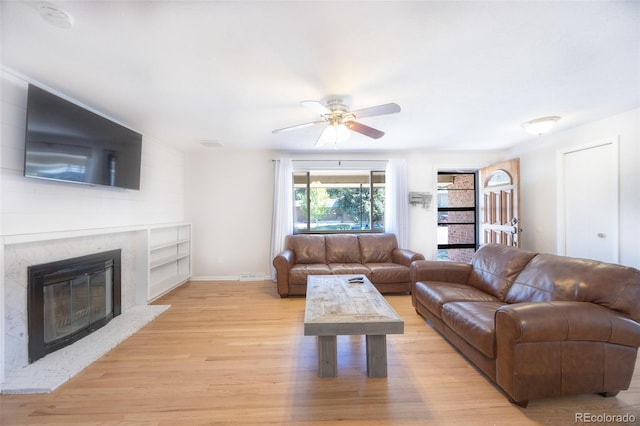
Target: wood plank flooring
[(235, 353)]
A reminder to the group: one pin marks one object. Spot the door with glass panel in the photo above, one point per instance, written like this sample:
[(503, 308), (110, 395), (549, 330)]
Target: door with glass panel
[(500, 203)]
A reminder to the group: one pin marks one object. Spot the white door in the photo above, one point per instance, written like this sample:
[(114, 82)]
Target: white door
[(590, 202)]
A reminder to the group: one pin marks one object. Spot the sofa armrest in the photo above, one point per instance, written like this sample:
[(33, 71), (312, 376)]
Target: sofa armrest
[(405, 257), (283, 262), (564, 321), (549, 349), (436, 270)]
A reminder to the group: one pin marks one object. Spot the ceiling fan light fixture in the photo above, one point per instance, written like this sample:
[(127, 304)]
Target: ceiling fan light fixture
[(541, 125), (342, 132), (340, 121), (333, 134), (326, 136)]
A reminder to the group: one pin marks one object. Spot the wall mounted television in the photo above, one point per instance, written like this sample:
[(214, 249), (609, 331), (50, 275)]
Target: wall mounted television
[(67, 142)]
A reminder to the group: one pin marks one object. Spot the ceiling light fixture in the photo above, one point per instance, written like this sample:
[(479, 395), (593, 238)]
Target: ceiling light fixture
[(538, 126)]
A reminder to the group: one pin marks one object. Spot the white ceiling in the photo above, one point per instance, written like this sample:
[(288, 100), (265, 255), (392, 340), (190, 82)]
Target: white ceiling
[(466, 73)]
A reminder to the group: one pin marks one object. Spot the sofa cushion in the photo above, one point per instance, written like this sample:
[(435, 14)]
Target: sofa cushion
[(342, 248), (377, 248), (550, 277), (350, 269), (474, 322), (434, 294), (308, 248), (496, 266), (298, 273), (388, 272)]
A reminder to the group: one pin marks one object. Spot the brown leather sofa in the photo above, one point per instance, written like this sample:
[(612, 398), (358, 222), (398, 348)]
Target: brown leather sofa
[(538, 325), (375, 256)]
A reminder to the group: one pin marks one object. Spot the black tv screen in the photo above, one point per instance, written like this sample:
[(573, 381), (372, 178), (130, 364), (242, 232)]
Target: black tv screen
[(67, 142)]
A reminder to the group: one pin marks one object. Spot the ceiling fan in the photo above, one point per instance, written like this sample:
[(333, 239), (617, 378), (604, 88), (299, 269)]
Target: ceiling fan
[(340, 120)]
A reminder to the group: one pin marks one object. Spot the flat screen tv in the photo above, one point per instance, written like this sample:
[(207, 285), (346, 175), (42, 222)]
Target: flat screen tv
[(67, 142)]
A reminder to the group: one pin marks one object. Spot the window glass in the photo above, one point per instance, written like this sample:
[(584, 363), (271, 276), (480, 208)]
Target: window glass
[(457, 225), (339, 201), (455, 255), (456, 234), (451, 197), (300, 200), (498, 178), (456, 216)]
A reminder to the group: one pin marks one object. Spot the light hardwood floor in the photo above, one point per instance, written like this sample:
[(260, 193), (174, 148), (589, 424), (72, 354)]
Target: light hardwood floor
[(234, 353)]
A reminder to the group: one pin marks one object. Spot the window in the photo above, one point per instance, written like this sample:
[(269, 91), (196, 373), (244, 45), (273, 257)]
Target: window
[(457, 213), (499, 178), (339, 201)]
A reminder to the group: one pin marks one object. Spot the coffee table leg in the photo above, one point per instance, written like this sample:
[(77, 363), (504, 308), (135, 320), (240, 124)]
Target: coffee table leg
[(377, 355), (327, 356)]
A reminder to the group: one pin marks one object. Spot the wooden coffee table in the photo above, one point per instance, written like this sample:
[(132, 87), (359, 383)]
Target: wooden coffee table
[(335, 306)]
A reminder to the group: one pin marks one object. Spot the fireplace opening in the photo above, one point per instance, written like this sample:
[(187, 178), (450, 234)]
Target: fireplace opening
[(71, 298)]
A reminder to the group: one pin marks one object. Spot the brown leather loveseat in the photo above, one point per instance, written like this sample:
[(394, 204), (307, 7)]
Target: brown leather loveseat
[(375, 256), (538, 325)]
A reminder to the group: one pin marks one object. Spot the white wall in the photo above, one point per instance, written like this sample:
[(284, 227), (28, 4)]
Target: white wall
[(423, 168), (539, 177), (35, 206), (229, 199)]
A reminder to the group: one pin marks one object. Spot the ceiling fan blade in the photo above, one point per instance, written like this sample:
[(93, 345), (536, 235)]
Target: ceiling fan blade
[(365, 130), (317, 107), (376, 110), (299, 126)]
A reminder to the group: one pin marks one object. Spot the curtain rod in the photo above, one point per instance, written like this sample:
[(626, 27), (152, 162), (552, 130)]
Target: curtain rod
[(333, 161)]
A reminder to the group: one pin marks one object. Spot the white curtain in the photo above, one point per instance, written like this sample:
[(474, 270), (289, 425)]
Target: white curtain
[(396, 209), (282, 224)]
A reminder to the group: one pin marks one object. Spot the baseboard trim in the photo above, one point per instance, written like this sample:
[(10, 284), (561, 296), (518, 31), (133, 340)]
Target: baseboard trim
[(229, 278)]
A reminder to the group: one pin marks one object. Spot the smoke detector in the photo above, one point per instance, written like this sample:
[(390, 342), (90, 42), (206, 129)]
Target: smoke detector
[(55, 16), (211, 143)]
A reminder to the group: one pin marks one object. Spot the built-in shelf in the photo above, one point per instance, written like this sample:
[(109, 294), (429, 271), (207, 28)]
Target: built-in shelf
[(169, 259), (169, 244)]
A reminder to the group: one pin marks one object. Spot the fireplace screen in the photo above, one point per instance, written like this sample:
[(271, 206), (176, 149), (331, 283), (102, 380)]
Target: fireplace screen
[(71, 298), (71, 306)]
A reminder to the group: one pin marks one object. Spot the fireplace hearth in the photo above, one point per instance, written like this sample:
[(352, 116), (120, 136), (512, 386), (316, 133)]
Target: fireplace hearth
[(71, 298)]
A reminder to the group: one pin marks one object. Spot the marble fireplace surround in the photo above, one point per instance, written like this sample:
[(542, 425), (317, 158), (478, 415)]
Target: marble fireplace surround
[(18, 376)]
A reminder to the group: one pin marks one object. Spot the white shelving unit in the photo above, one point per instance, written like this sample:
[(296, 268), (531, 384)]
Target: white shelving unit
[(169, 263)]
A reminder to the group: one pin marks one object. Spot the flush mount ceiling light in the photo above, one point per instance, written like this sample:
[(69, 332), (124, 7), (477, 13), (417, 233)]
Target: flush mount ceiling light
[(55, 16), (538, 126)]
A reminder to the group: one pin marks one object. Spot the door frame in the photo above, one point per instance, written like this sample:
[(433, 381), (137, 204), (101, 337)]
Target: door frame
[(561, 245)]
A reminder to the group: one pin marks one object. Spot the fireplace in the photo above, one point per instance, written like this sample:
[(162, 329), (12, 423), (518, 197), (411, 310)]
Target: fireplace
[(71, 298)]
